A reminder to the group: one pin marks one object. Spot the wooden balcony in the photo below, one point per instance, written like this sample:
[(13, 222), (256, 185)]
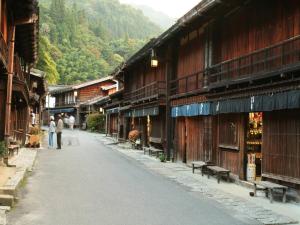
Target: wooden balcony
[(187, 85), (271, 61), (18, 71), (150, 92), (67, 104), (274, 60), (3, 51)]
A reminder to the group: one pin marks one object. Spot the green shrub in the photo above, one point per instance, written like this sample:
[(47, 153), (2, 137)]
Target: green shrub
[(3, 149), (96, 122), (162, 157), (34, 131)]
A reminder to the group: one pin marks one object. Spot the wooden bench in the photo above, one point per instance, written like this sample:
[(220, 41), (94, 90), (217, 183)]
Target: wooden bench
[(146, 149), (155, 151), (114, 135), (219, 171), (155, 140), (200, 165), (269, 188)]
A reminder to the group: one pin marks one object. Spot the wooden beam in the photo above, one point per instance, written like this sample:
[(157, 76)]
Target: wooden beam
[(11, 52), (242, 135), (32, 19), (170, 72)]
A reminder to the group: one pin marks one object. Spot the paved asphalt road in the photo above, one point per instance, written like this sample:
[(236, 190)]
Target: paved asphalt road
[(87, 183)]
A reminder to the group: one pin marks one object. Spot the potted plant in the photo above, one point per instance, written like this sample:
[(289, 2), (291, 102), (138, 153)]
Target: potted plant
[(4, 152), (34, 137), (162, 157)]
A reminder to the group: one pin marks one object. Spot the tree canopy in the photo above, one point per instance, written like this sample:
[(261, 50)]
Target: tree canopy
[(87, 39)]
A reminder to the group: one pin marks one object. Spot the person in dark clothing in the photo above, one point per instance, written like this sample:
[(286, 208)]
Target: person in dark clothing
[(59, 128)]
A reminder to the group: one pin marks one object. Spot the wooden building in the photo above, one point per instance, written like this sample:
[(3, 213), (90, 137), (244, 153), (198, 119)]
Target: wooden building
[(37, 94), (79, 100), (253, 82), (235, 96), (111, 105), (18, 53), (144, 97), (230, 71)]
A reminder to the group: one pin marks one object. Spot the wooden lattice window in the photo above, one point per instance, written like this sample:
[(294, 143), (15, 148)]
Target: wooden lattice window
[(228, 131)]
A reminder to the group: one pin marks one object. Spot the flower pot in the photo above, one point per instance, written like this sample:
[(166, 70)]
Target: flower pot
[(34, 140)]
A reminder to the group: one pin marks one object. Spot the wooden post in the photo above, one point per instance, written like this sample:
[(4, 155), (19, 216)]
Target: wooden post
[(40, 111), (25, 127), (119, 124), (9, 85), (106, 124), (242, 145), (78, 120), (168, 75), (27, 111)]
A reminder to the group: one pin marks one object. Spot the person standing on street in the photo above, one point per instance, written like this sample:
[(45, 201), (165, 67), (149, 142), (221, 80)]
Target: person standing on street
[(51, 131), (32, 115), (71, 122), (59, 128), (66, 121)]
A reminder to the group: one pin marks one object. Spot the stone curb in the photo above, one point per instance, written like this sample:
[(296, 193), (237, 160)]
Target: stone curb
[(182, 176), (24, 164)]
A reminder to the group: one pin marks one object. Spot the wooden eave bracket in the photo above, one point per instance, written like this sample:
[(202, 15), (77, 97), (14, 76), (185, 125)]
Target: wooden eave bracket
[(33, 19)]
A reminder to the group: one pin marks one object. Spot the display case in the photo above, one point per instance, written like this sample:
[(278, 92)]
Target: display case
[(254, 142)]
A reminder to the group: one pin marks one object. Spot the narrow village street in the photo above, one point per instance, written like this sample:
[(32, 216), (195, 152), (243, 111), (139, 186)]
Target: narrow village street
[(129, 112), (87, 183)]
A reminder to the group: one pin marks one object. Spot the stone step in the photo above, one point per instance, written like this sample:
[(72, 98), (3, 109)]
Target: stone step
[(8, 190), (5, 208), (6, 200)]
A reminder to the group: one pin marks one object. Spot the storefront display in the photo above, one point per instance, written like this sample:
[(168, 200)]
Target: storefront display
[(254, 143)]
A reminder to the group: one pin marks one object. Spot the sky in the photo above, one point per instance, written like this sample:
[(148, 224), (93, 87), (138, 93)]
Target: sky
[(173, 8)]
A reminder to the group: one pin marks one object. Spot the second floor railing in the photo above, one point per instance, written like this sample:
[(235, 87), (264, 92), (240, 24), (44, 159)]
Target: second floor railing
[(279, 57), (3, 50), (273, 60), (155, 89), (187, 84), (66, 103)]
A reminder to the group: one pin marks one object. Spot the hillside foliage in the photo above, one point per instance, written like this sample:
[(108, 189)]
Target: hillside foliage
[(86, 39)]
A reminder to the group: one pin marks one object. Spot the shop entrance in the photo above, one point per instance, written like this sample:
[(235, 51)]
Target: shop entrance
[(254, 146)]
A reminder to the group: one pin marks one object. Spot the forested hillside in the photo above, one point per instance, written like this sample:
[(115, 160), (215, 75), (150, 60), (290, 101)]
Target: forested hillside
[(163, 20), (86, 39)]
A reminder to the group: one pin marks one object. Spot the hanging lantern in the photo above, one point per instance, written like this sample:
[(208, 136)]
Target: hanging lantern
[(154, 60), (34, 84)]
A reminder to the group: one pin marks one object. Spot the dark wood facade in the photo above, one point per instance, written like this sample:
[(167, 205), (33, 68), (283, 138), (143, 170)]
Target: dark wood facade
[(257, 46), (251, 49), (233, 57), (80, 100), (193, 140), (253, 28), (84, 92), (18, 41), (190, 63), (281, 145), (144, 101), (37, 94)]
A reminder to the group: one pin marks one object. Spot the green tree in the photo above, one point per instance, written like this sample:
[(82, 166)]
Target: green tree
[(87, 39), (46, 62)]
